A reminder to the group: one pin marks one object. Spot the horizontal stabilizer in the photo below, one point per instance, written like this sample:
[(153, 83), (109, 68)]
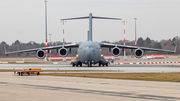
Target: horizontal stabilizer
[(92, 17), (75, 18), (106, 18)]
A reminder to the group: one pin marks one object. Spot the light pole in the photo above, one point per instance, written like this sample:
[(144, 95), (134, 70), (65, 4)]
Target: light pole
[(50, 44), (135, 33), (46, 26)]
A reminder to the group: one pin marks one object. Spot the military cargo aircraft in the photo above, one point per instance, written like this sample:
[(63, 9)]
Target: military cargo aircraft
[(90, 52)]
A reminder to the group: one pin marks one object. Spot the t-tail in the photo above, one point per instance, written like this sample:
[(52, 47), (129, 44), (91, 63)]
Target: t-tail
[(90, 22)]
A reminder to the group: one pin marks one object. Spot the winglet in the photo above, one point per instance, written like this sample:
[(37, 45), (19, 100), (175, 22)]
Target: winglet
[(5, 49), (175, 48)]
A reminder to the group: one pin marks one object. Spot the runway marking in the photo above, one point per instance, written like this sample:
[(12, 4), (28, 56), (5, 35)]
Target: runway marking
[(109, 93)]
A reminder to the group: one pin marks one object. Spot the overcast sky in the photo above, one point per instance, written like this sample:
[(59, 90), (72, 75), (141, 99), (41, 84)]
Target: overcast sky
[(24, 20)]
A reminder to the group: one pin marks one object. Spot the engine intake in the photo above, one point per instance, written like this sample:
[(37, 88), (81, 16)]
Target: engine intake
[(41, 54), (63, 52), (138, 53), (116, 51)]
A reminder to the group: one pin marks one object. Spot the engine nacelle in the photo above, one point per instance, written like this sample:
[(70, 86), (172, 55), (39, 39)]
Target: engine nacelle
[(115, 51), (138, 53), (63, 52), (41, 54)]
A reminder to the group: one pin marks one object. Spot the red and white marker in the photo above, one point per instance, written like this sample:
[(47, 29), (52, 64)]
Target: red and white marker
[(46, 46), (135, 42), (63, 32), (141, 63), (50, 50), (124, 40), (135, 33), (50, 44)]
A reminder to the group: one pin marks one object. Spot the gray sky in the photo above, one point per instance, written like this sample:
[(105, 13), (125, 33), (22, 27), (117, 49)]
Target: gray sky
[(24, 20)]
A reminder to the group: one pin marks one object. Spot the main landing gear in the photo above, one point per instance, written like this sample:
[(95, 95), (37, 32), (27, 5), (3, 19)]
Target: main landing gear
[(103, 64), (76, 64)]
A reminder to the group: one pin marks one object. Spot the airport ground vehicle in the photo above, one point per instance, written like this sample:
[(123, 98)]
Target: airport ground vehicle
[(33, 71)]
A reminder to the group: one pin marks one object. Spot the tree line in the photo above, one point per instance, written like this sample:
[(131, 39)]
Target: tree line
[(168, 44)]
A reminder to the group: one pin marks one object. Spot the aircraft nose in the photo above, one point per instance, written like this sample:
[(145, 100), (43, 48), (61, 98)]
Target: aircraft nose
[(89, 54)]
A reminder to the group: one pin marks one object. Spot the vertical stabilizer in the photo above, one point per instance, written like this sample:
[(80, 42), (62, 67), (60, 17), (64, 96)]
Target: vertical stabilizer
[(90, 27), (88, 36)]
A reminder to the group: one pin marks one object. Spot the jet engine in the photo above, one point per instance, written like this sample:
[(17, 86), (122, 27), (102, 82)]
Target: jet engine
[(63, 52), (41, 54), (115, 51), (138, 53)]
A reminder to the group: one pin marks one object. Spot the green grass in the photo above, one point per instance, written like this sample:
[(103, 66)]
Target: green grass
[(127, 76), (10, 70)]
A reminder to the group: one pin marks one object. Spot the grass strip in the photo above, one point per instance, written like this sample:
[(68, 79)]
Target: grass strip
[(11, 70), (171, 77), (8, 70)]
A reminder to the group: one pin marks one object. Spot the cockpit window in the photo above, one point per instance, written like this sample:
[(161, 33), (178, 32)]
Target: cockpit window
[(89, 47)]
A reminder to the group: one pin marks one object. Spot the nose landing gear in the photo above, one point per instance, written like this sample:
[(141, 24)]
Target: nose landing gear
[(89, 64)]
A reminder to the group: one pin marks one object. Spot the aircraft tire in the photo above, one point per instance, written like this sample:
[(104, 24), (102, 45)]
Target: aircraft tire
[(80, 64), (99, 64), (21, 73), (73, 64), (77, 65), (103, 65), (106, 64), (90, 65)]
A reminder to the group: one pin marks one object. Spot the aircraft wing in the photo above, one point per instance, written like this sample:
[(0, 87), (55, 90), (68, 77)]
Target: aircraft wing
[(44, 48), (133, 47)]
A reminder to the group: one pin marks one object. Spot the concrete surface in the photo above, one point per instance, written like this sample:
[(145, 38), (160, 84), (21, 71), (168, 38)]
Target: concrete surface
[(46, 88), (119, 68)]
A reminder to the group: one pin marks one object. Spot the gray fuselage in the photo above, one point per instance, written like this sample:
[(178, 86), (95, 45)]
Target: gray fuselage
[(89, 51)]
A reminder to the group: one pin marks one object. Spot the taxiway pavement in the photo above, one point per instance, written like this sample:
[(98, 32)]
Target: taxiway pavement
[(46, 88), (119, 68)]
